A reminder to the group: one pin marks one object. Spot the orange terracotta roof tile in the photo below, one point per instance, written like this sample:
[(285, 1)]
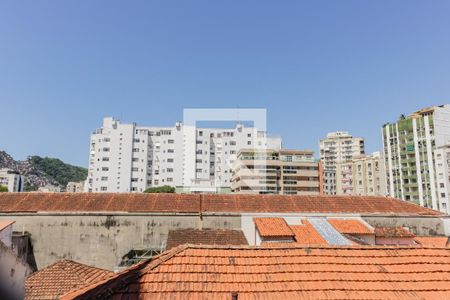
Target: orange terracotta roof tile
[(60, 278), (273, 227), (432, 241), (5, 223), (188, 203), (205, 237), (392, 232), (350, 226), (293, 272), (306, 234)]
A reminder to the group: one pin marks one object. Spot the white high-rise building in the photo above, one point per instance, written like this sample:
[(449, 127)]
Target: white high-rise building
[(411, 159), (12, 180), (131, 158), (442, 161), (338, 147)]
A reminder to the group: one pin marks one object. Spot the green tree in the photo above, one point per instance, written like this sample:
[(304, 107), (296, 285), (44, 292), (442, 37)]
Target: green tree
[(58, 170), (160, 189), (3, 189)]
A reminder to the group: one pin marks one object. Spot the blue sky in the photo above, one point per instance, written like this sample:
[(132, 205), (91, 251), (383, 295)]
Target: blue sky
[(316, 66)]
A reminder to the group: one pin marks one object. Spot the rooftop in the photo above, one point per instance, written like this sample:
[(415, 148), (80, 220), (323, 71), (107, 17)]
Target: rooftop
[(205, 237), (350, 226), (60, 278), (195, 203), (273, 227), (5, 223), (432, 241), (306, 234), (350, 272)]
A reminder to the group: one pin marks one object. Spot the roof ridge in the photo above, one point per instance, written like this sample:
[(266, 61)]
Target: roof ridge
[(156, 261), (295, 246)]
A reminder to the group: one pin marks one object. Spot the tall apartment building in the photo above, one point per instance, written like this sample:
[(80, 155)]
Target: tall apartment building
[(12, 180), (442, 161), (336, 148), (288, 172), (132, 158), (409, 149), (363, 175)]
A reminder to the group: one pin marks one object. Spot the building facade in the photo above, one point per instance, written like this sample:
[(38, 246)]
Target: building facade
[(131, 158), (442, 161), (75, 187), (338, 147), (285, 172), (409, 149), (364, 175), (12, 180)]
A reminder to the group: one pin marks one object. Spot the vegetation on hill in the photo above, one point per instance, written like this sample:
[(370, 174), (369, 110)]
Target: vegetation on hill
[(160, 189), (57, 170), (42, 171)]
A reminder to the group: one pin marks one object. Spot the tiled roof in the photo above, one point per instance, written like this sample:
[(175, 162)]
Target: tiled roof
[(351, 272), (188, 203), (60, 278), (273, 227), (205, 237), (5, 223), (306, 234), (350, 226), (432, 241), (392, 232)]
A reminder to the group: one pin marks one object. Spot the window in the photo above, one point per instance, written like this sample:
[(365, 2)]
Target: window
[(105, 169), (105, 159), (170, 141), (170, 150), (169, 170), (134, 169), (170, 160), (135, 149), (249, 142), (135, 159), (104, 178), (106, 149), (103, 188)]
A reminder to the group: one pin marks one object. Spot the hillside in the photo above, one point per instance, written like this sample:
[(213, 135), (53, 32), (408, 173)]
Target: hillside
[(41, 171)]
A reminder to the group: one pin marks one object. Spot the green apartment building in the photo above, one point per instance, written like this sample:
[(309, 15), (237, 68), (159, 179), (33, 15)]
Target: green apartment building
[(409, 146)]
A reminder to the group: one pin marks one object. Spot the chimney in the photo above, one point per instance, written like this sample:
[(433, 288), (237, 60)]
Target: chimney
[(234, 296)]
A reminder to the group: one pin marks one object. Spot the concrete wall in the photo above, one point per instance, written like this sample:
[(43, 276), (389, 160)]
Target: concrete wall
[(13, 272), (418, 225), (5, 236), (395, 241), (101, 240)]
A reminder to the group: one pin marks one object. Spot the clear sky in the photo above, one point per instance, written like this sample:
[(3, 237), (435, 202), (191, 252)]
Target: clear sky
[(317, 66)]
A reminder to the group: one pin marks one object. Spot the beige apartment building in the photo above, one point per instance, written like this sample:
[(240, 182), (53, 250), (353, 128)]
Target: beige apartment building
[(337, 147), (286, 172), (363, 175)]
